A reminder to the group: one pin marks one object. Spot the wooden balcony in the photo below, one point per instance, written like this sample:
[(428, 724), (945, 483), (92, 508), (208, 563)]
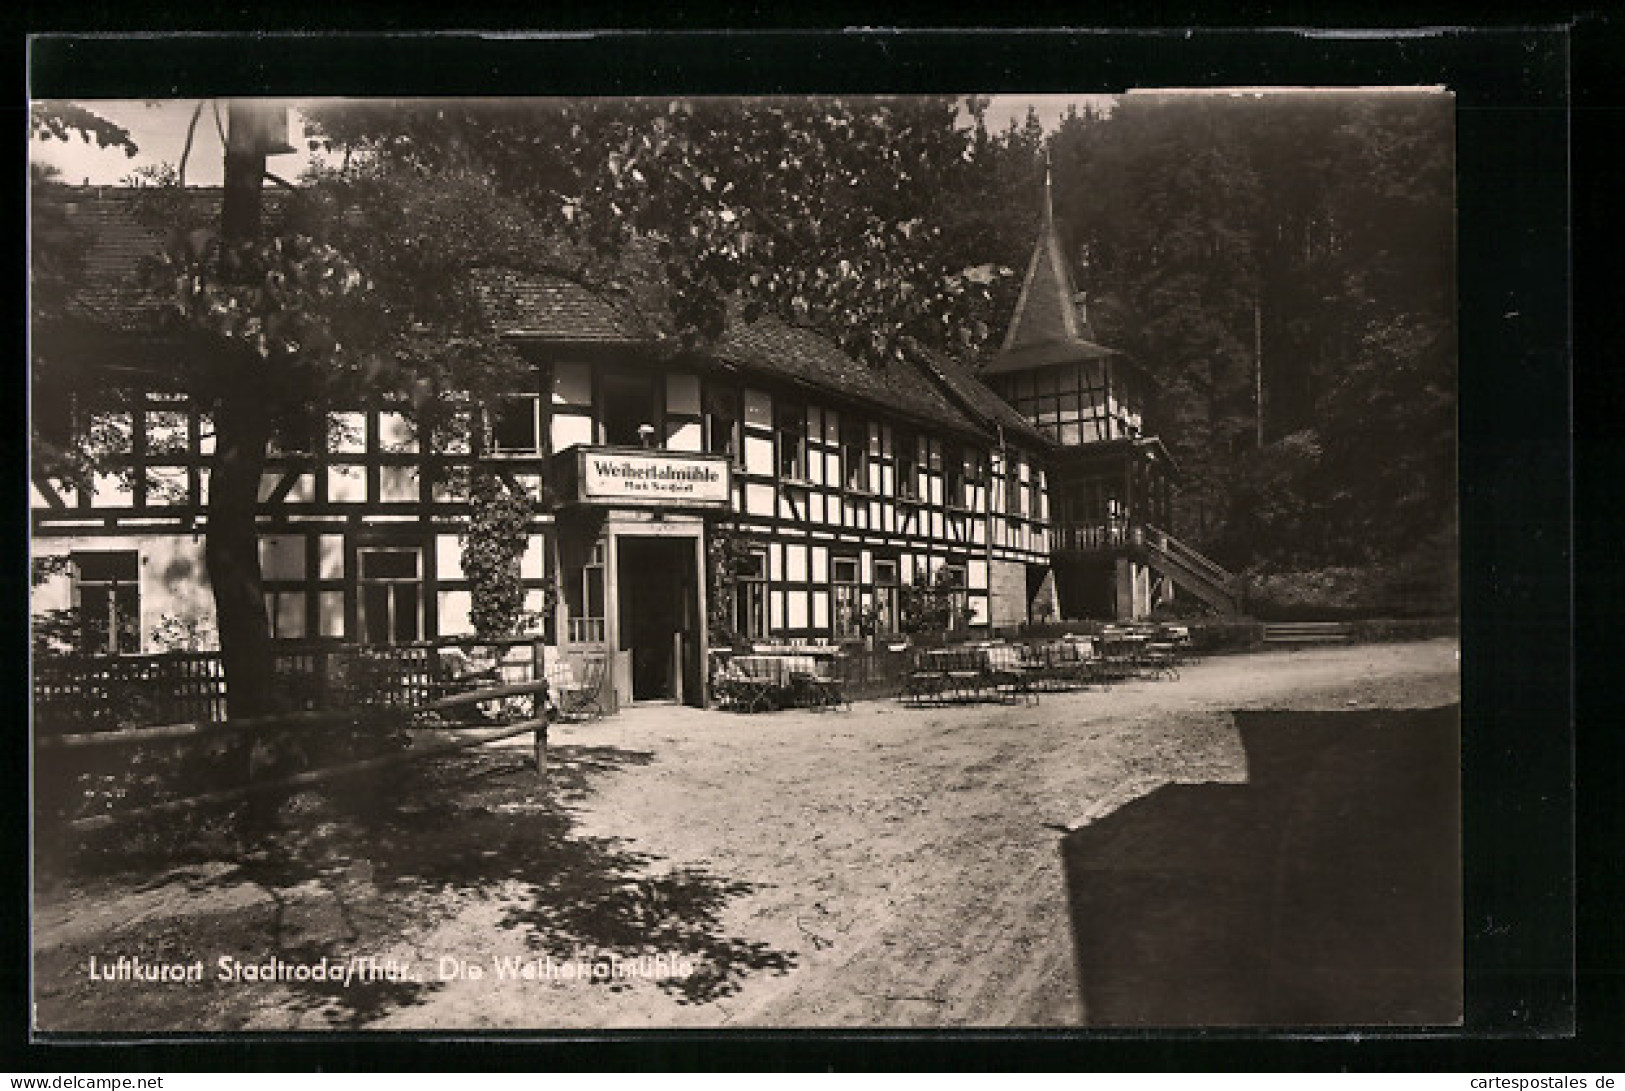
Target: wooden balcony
[(1198, 574), (1101, 538)]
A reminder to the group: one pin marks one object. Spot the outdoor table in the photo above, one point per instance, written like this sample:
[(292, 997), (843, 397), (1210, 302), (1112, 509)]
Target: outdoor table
[(775, 676), (965, 670), (817, 651), (775, 669), (1180, 637), (1065, 662), (754, 682), (1162, 658), (1124, 650), (1005, 666)]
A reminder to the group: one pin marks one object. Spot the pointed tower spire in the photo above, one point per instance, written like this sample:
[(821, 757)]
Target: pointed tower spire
[(1049, 196), (1046, 310)]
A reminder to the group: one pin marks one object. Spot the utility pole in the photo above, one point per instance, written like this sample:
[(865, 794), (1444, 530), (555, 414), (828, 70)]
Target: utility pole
[(1258, 371)]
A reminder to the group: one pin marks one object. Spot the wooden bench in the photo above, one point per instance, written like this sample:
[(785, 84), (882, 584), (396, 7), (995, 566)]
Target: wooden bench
[(1308, 632)]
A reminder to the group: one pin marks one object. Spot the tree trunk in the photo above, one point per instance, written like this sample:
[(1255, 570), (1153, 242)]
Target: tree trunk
[(242, 434), (241, 204)]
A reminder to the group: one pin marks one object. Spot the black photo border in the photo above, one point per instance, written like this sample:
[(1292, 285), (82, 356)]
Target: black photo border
[(1514, 88)]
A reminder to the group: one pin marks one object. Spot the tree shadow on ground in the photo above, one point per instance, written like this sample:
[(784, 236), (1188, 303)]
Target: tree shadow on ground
[(1326, 890), (356, 869)]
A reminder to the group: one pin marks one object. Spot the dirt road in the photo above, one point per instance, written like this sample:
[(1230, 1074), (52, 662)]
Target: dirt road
[(884, 867)]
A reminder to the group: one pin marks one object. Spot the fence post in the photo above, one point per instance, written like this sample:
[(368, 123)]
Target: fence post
[(323, 684), (540, 744)]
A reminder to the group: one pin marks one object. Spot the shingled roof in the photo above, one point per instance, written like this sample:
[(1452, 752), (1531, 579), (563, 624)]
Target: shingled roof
[(116, 244), (772, 347), (554, 308), (977, 398), (1046, 329)]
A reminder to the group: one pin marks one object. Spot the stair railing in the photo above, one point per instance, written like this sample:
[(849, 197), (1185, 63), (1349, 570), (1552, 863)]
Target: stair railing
[(1178, 551)]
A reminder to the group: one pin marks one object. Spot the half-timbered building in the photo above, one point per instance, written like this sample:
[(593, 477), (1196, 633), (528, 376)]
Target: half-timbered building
[(838, 484)]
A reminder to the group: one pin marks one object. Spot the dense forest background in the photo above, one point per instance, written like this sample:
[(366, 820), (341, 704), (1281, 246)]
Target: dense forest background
[(1283, 266)]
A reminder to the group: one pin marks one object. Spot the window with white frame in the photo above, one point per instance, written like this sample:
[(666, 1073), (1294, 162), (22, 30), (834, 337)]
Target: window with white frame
[(1012, 485), (906, 456), (953, 475), (722, 422), (285, 611), (854, 454), (391, 595), (951, 580), (790, 426), (584, 595), (107, 593), (750, 595), (886, 594), (848, 596), (515, 425), (976, 473)]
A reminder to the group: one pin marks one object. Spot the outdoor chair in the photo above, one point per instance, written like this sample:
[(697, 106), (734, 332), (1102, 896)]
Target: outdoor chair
[(1160, 660), (1071, 664), (1090, 665), (967, 674), (1039, 662), (580, 700), (1119, 656), (721, 675), (1008, 673), (1056, 665), (926, 681), (741, 692), (821, 688), (1180, 637)]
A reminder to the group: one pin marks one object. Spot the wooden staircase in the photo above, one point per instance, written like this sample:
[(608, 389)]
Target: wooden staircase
[(1190, 570)]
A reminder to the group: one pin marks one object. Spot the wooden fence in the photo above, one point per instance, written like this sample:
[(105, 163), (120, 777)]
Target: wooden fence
[(91, 693), (102, 692), (62, 754)]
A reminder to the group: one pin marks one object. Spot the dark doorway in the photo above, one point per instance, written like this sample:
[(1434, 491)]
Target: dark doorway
[(659, 617), (1087, 588)]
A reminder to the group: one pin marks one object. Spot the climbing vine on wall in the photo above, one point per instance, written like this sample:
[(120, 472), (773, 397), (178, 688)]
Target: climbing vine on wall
[(725, 547), (493, 543)]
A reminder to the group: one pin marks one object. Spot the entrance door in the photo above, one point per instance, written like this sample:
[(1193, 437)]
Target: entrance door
[(658, 586)]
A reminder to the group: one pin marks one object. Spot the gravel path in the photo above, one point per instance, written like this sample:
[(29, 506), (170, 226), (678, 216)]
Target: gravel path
[(887, 866)]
